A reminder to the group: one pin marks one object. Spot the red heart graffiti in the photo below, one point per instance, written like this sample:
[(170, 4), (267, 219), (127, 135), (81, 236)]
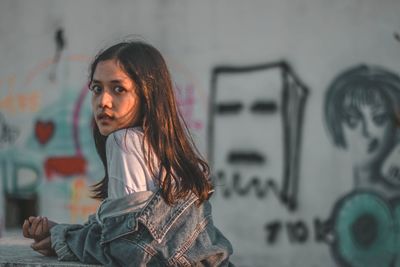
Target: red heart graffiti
[(44, 131)]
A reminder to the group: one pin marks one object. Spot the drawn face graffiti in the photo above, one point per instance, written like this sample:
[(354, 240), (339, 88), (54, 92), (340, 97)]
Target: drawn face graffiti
[(115, 102), (253, 148), (248, 128), (255, 130), (369, 131)]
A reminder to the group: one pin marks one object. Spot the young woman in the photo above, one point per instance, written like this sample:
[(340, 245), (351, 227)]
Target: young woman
[(155, 209)]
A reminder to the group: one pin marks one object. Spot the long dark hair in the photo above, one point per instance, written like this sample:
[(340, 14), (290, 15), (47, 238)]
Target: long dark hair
[(165, 132)]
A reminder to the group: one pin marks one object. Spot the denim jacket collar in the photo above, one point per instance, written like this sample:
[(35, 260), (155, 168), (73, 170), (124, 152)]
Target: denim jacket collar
[(156, 215)]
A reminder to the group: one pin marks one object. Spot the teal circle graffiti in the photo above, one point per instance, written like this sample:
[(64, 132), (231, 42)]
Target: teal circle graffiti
[(365, 231)]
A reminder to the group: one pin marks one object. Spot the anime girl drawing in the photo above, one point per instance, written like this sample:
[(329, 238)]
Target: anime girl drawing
[(362, 108)]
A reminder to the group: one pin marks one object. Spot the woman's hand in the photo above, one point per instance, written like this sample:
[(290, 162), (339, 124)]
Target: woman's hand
[(38, 229), (44, 247)]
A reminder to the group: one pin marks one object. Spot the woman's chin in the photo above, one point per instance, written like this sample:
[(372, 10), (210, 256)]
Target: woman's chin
[(105, 131)]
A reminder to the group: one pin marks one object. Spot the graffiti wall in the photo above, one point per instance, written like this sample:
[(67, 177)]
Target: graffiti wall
[(295, 104)]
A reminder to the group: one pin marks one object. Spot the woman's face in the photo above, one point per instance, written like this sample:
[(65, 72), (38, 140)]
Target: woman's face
[(369, 131), (115, 102)]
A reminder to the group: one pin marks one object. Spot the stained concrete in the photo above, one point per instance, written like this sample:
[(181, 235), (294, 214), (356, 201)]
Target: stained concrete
[(15, 251)]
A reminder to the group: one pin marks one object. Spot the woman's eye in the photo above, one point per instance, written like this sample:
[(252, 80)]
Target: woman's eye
[(95, 89), (119, 89)]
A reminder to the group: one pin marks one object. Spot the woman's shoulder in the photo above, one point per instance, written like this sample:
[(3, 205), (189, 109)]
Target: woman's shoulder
[(126, 139), (131, 132)]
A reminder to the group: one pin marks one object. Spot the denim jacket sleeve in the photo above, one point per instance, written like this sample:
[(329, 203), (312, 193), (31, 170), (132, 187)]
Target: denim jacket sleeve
[(70, 242)]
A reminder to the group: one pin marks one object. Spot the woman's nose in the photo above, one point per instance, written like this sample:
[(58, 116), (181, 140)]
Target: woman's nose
[(105, 100)]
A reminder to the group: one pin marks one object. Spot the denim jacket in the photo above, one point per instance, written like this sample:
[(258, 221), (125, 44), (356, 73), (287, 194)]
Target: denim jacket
[(143, 230)]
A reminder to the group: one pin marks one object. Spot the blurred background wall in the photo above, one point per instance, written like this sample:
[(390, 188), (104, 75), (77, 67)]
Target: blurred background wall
[(306, 169)]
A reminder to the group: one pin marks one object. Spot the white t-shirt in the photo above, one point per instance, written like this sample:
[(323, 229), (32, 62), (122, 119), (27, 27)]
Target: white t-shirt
[(127, 168)]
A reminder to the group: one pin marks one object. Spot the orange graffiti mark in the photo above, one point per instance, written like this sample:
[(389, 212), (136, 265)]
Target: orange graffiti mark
[(13, 102), (81, 205)]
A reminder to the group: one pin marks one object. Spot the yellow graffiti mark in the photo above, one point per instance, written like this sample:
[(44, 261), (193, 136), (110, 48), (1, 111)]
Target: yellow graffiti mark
[(81, 205)]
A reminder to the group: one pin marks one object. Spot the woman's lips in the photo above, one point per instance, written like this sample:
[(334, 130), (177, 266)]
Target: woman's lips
[(104, 118)]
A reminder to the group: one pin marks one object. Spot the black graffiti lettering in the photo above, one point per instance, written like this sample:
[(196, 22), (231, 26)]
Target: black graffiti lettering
[(244, 188), (272, 230), (323, 230), (297, 232), (319, 230)]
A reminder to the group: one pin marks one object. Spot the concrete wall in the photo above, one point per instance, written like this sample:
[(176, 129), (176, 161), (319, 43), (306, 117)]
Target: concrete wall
[(264, 69)]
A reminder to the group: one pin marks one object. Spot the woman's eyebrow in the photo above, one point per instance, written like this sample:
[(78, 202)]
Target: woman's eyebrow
[(95, 81), (114, 81), (117, 81)]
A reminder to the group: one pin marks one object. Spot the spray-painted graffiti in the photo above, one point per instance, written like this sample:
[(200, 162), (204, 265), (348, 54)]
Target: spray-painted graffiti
[(8, 133), (57, 146), (44, 131), (186, 103), (254, 109), (190, 96), (366, 230), (297, 231), (66, 165), (362, 106), (60, 42), (20, 172), (254, 138), (80, 205), (17, 102)]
